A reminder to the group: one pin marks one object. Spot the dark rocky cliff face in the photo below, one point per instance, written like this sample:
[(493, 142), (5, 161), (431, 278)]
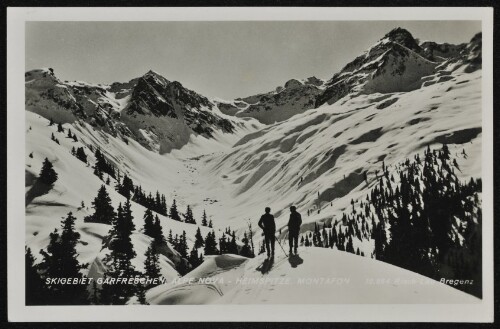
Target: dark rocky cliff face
[(158, 113)]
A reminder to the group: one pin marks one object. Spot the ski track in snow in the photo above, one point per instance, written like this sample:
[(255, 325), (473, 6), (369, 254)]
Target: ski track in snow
[(349, 277)]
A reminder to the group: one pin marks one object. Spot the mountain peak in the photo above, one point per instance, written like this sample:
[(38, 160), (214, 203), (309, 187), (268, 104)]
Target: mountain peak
[(404, 38), (399, 34), (151, 72), (155, 78)]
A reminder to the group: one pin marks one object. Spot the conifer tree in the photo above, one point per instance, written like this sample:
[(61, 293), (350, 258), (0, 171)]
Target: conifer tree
[(126, 187), (103, 210), (75, 139), (149, 227), (80, 154), (158, 202), (48, 176), (245, 250), (231, 246), (174, 214), (35, 291), (222, 244), (204, 219), (102, 165), (164, 211), (170, 239), (60, 260), (182, 246), (159, 237), (120, 257), (199, 242), (183, 266), (188, 216), (152, 264), (349, 246), (194, 259), (210, 244), (60, 128)]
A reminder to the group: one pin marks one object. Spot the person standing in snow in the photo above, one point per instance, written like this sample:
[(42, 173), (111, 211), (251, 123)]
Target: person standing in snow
[(293, 229), (267, 224)]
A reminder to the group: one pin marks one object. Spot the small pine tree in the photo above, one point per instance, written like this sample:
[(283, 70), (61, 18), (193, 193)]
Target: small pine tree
[(194, 259), (204, 219), (149, 226), (60, 128), (170, 238), (210, 225), (188, 216), (80, 154), (245, 250), (174, 214), (103, 210), (61, 261), (164, 210), (349, 246), (211, 244), (48, 176), (199, 242), (152, 264), (182, 245), (75, 139), (158, 231), (51, 122), (126, 187), (35, 291), (120, 257)]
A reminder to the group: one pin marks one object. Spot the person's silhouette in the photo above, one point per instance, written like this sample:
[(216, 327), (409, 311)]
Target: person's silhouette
[(293, 229), (267, 224)]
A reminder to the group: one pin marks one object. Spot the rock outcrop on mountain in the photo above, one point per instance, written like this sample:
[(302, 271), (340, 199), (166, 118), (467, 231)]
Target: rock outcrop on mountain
[(294, 97), (159, 114)]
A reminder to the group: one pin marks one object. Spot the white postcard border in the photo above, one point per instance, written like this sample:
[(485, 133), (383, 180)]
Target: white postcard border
[(17, 311)]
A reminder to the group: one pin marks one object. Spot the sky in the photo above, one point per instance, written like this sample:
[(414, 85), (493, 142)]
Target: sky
[(216, 59)]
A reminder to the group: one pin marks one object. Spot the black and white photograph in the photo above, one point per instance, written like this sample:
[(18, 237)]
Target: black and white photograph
[(252, 162)]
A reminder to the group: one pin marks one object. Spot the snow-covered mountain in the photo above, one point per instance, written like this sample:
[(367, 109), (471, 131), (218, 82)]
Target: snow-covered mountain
[(396, 63), (294, 97), (159, 114), (323, 146)]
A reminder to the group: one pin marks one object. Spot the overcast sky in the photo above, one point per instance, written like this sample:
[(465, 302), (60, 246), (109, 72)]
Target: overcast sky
[(221, 59)]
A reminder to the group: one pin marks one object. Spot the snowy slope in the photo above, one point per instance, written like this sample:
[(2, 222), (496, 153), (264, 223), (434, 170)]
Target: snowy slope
[(76, 183), (321, 146), (316, 276), (321, 137), (329, 148)]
